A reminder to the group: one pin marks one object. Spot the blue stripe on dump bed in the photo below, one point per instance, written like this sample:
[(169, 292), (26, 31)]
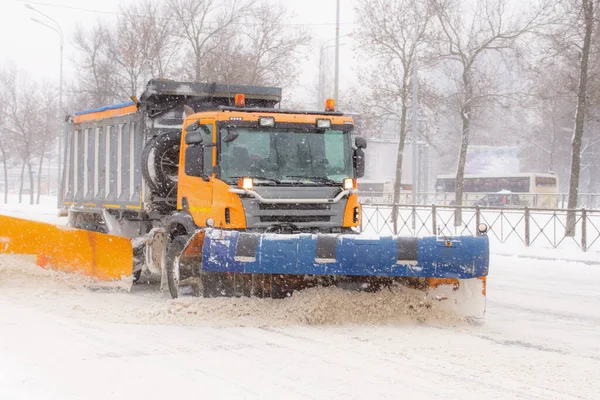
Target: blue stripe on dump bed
[(106, 108), (466, 257)]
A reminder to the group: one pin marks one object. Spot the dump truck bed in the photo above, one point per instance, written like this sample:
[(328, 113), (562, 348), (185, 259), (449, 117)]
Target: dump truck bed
[(103, 159)]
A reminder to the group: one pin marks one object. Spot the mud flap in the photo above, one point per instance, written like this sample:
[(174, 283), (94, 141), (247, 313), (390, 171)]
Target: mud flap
[(105, 257)]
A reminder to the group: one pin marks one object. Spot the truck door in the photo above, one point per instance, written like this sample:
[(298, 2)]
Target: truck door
[(195, 192)]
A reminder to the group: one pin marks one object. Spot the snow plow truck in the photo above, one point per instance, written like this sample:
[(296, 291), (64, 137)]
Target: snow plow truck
[(217, 191)]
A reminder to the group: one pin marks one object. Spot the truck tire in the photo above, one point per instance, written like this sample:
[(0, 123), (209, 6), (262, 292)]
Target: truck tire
[(172, 252), (160, 162)]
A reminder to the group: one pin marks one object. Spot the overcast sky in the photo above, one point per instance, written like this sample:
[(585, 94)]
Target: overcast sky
[(35, 48)]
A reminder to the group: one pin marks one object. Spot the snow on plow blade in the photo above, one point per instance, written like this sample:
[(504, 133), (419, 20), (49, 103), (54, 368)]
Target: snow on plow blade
[(98, 255)]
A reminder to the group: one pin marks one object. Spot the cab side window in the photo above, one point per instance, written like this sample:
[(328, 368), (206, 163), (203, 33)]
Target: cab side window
[(207, 134)]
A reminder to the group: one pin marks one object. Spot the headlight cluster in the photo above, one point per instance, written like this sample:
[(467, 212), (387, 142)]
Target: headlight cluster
[(245, 183)]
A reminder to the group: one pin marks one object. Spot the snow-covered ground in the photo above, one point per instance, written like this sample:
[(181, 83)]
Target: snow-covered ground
[(46, 211), (62, 337)]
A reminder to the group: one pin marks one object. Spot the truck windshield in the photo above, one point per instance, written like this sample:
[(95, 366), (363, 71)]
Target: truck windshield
[(277, 156)]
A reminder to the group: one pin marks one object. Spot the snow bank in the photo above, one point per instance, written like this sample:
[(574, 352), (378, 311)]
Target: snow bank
[(21, 271), (79, 296), (46, 211), (314, 306)]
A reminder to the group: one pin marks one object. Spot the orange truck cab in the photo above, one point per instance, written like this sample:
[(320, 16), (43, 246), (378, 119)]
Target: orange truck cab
[(262, 169)]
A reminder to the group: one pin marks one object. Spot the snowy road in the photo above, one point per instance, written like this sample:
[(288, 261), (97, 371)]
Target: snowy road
[(59, 340)]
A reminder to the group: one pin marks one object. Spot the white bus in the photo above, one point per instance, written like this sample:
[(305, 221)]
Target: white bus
[(520, 189)]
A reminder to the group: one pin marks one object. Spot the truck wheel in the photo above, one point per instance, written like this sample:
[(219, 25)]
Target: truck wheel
[(172, 266), (160, 162)]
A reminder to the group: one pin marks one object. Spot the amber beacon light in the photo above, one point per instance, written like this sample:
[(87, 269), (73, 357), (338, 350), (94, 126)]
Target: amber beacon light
[(240, 100), (329, 105)]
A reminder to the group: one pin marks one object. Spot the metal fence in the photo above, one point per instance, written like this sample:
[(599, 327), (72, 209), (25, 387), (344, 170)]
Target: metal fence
[(525, 226), (519, 200)]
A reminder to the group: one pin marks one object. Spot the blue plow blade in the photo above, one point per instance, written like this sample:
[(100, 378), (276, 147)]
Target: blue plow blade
[(459, 257)]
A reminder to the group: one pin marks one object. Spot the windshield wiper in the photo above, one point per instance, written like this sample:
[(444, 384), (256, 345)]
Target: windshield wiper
[(260, 178), (315, 178)]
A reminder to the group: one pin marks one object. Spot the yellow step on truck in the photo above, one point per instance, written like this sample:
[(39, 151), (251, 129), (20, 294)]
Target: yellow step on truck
[(223, 193)]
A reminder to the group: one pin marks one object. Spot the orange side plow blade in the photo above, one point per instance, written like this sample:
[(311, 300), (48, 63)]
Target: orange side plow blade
[(99, 255)]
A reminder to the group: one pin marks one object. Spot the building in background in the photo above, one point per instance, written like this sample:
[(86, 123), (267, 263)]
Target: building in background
[(380, 169)]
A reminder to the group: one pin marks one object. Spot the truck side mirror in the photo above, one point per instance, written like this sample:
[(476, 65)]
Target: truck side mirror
[(193, 138), (193, 126), (360, 142), (358, 160), (194, 160)]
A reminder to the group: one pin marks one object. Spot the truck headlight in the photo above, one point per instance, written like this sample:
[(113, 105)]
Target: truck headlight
[(323, 123), (266, 122), (245, 183), (348, 183)]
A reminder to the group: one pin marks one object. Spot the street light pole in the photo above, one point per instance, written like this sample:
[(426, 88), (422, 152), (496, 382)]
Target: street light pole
[(321, 94), (60, 135), (321, 89), (337, 53), (415, 129)]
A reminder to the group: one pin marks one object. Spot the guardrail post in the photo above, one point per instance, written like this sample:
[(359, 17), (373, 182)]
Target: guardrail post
[(395, 218), (477, 218), (583, 229), (362, 218), (433, 219), (414, 219), (527, 226)]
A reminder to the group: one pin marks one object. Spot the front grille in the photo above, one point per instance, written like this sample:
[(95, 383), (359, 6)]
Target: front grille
[(296, 206), (295, 218)]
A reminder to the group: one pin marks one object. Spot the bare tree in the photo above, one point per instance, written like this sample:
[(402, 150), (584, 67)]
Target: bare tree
[(142, 46), (115, 61), (235, 41), (391, 33), (151, 21), (273, 49), (126, 50), (551, 105), (587, 20), (201, 22), (21, 102), (492, 31), (45, 134), (5, 137), (95, 84), (262, 50)]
